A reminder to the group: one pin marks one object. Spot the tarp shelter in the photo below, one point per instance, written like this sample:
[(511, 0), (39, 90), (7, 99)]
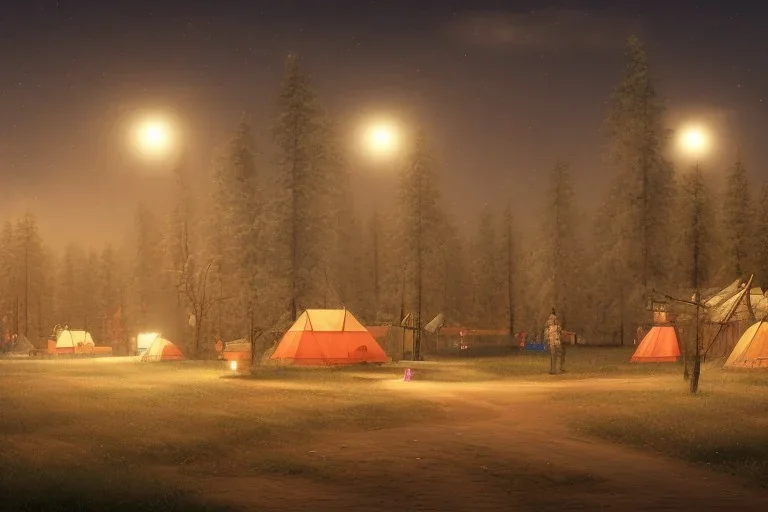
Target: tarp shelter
[(67, 339), (752, 349), (660, 345), (728, 314), (237, 350), (21, 345), (328, 337), (162, 350)]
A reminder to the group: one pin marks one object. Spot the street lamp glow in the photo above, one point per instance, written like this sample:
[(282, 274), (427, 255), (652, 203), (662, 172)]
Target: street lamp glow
[(153, 137), (694, 140), (382, 139)]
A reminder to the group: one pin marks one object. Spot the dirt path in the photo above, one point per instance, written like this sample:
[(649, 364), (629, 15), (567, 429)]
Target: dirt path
[(501, 448)]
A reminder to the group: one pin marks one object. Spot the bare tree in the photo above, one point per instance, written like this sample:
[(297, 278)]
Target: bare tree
[(193, 283)]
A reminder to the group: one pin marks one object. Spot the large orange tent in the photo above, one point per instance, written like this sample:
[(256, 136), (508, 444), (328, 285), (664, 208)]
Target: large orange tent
[(660, 345), (328, 337), (752, 349), (162, 350)]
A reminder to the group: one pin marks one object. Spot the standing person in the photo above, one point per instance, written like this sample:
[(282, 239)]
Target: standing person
[(556, 348)]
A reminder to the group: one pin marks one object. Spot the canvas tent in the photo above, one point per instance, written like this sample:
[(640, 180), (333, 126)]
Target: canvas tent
[(728, 314), (660, 345), (328, 337), (752, 349), (162, 350), (67, 338)]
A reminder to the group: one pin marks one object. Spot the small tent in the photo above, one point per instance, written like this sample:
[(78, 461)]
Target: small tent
[(21, 345), (162, 350), (328, 337), (752, 349), (66, 339), (660, 345)]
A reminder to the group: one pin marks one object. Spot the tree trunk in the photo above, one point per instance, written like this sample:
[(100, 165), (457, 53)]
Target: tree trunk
[(510, 283), (697, 357), (26, 287), (686, 374), (376, 293)]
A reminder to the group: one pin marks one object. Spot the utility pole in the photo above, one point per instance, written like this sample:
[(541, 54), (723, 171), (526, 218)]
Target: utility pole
[(510, 281), (26, 285), (696, 296)]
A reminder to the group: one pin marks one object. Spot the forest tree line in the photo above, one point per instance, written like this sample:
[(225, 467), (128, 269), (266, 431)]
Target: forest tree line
[(262, 244)]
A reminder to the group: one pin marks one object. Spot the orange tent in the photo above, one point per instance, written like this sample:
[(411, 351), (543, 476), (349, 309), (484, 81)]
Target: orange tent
[(752, 349), (162, 350), (660, 345), (328, 337)]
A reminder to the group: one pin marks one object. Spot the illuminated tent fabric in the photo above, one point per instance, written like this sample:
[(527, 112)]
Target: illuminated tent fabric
[(70, 339), (328, 337), (145, 340), (162, 350), (752, 349), (660, 345)]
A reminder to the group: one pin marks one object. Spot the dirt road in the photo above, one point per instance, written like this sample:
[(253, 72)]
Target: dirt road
[(501, 447)]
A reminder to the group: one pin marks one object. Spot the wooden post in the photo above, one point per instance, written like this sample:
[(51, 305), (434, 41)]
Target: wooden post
[(697, 357)]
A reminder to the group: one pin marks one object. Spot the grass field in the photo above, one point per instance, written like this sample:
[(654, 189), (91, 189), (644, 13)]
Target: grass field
[(104, 434)]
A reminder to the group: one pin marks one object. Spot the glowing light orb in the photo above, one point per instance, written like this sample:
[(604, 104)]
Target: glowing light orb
[(233, 365), (382, 139), (694, 140), (154, 137)]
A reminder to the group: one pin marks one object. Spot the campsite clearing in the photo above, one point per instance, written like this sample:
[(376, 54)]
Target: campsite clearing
[(479, 434)]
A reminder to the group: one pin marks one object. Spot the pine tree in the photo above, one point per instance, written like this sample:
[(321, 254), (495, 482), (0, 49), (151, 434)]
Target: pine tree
[(761, 239), (339, 247), (29, 254), (94, 318), (738, 221), (148, 272), (110, 295), (643, 193), (457, 282), (419, 228), (71, 296), (696, 233), (298, 133), (236, 240), (375, 241), (485, 268), (561, 245), (8, 279), (509, 266)]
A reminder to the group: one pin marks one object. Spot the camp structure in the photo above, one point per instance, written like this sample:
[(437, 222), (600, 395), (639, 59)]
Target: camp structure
[(144, 340), (659, 345), (326, 337), (69, 341), (752, 349), (728, 314), (162, 350), (20, 346)]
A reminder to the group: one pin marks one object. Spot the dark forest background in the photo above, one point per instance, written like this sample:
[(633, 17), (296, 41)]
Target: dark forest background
[(246, 246)]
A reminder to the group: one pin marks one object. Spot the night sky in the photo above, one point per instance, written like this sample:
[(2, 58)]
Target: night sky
[(503, 89)]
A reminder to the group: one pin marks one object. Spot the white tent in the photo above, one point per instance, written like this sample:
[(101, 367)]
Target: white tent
[(71, 339), (145, 340)]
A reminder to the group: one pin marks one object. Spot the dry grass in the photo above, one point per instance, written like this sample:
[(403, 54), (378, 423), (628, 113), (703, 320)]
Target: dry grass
[(725, 426), (102, 435), (77, 429)]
